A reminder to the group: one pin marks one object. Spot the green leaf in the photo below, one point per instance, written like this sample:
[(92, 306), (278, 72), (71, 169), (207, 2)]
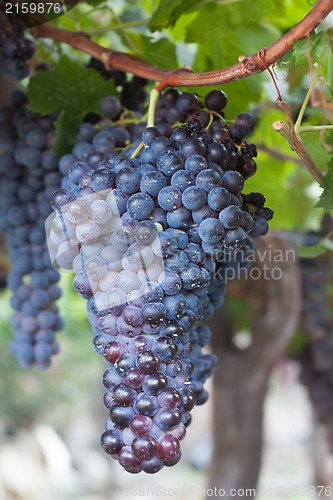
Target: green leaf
[(297, 343), (161, 53), (318, 50), (316, 149), (214, 21), (326, 199), (168, 13), (95, 2), (68, 86), (328, 244), (66, 127), (305, 48), (312, 251), (72, 90)]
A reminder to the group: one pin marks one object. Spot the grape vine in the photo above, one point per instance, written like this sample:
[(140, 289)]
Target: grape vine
[(148, 210)]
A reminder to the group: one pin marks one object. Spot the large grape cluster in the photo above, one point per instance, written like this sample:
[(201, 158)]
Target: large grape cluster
[(28, 177), (153, 240), (15, 48)]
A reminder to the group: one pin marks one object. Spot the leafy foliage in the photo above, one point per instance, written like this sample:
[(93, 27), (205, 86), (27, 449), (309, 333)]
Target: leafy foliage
[(71, 89), (160, 52), (318, 48), (326, 199), (168, 13)]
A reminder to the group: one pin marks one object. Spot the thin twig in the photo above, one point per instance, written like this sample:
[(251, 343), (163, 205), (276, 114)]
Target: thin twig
[(297, 145), (277, 154)]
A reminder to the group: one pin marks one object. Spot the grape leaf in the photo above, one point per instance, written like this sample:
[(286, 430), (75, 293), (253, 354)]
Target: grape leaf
[(66, 127), (161, 53), (224, 51), (223, 18), (71, 89), (326, 199), (328, 244), (312, 251), (95, 2), (68, 86), (313, 47), (168, 13), (318, 50)]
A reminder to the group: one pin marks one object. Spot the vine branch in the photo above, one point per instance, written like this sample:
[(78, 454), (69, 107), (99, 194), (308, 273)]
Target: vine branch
[(297, 145), (256, 63)]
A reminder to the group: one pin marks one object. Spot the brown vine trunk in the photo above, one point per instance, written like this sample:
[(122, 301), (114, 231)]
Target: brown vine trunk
[(240, 383), (237, 421)]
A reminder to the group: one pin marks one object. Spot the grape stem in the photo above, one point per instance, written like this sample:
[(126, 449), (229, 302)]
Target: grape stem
[(314, 128), (154, 95), (297, 145), (256, 63), (304, 104)]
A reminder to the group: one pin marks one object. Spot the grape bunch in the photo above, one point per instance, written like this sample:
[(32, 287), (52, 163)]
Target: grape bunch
[(15, 48), (316, 357), (28, 177), (152, 240)]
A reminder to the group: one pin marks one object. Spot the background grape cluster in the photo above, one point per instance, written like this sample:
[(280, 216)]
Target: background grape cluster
[(15, 47), (28, 176), (317, 322)]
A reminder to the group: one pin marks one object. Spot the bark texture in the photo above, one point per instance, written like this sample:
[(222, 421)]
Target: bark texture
[(240, 382)]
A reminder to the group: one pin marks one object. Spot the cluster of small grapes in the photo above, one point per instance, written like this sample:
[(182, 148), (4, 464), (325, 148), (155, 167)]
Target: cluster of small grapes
[(317, 323), (15, 48), (152, 240), (28, 177), (133, 95)]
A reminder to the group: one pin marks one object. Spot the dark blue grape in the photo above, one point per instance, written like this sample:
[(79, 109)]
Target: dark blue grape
[(216, 100), (140, 206), (192, 146), (170, 283), (179, 218), (208, 179), (234, 238), (148, 361), (187, 103), (112, 441), (231, 217), (160, 145), (111, 106), (260, 227), (233, 182), (149, 135), (182, 179), (218, 199), (146, 405), (170, 162), (194, 198), (176, 263), (153, 313), (175, 306), (169, 198), (145, 232), (128, 180), (152, 183)]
